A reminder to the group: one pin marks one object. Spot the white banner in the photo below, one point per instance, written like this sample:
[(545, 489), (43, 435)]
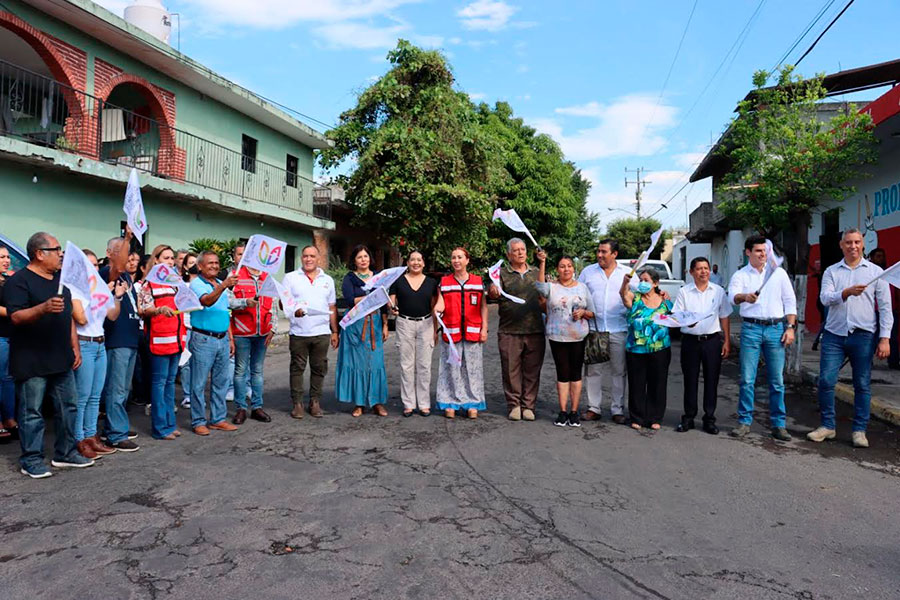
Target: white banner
[(773, 261), (385, 278), (511, 219), (680, 318), (494, 274), (85, 283), (454, 358), (368, 305), (263, 253), (134, 206)]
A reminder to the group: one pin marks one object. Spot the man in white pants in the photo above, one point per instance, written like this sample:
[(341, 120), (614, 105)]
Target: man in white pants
[(604, 280)]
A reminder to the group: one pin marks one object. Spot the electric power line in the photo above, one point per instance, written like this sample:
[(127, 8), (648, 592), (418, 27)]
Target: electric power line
[(805, 32), (833, 21)]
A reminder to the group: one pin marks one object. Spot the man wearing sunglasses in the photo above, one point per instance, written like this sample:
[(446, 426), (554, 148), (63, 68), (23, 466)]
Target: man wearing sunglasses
[(43, 352)]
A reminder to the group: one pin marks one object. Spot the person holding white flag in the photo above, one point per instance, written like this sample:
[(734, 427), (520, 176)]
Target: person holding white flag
[(769, 314), (43, 351), (461, 305), (520, 334), (858, 296), (310, 334), (704, 343), (361, 378)]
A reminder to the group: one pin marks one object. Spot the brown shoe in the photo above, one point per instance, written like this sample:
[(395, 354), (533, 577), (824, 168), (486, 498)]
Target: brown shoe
[(99, 447), (239, 417), (201, 430), (297, 411), (590, 415), (619, 419), (357, 412), (314, 409), (379, 410), (258, 414), (85, 449), (222, 426)]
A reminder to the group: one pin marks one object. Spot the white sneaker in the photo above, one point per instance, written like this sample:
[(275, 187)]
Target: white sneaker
[(229, 396), (186, 403), (860, 440), (821, 434)]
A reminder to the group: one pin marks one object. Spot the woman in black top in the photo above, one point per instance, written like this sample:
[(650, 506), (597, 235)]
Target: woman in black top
[(413, 297), (8, 426)]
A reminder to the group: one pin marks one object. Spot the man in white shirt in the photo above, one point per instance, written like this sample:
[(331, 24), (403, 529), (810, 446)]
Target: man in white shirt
[(764, 310), (603, 280), (851, 295), (704, 343), (311, 334)]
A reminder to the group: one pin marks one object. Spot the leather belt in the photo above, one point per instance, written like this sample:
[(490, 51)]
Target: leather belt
[(414, 318), (768, 322), (99, 339), (215, 334), (704, 337)]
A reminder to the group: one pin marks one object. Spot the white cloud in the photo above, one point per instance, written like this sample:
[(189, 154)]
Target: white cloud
[(489, 15), (279, 14), (477, 96), (351, 34), (628, 126), (689, 160), (116, 7)]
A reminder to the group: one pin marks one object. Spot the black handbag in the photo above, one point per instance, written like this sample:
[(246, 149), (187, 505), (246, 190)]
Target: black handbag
[(596, 348)]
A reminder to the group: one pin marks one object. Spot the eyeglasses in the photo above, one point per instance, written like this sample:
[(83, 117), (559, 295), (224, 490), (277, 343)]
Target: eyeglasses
[(56, 249)]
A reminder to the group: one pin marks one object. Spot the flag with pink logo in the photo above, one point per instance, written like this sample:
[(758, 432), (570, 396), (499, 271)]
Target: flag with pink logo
[(263, 253), (134, 206), (85, 283)]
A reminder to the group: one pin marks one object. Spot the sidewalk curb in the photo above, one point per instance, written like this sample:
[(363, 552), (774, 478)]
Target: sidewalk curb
[(843, 392)]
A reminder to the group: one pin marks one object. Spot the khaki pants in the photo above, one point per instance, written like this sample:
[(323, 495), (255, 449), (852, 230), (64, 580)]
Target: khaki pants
[(314, 350), (521, 359), (415, 341)]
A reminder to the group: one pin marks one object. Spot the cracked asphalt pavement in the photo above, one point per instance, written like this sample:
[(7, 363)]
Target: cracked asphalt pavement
[(426, 507)]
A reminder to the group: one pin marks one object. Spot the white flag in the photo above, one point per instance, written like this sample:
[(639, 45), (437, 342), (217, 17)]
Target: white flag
[(134, 206), (85, 283), (368, 305), (273, 288), (263, 253), (891, 275), (680, 318), (454, 358), (511, 219), (645, 255), (773, 261), (385, 278), (185, 298), (494, 274), (164, 275)]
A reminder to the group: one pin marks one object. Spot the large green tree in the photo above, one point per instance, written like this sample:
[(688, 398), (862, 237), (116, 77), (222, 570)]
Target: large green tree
[(633, 236), (425, 168), (547, 191), (787, 160)]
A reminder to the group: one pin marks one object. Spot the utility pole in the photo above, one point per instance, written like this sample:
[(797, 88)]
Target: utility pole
[(639, 186)]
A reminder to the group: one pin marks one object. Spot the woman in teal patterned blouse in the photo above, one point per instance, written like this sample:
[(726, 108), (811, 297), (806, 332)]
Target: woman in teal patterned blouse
[(647, 352)]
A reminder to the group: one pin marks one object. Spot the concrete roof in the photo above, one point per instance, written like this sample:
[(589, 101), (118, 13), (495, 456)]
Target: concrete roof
[(114, 31)]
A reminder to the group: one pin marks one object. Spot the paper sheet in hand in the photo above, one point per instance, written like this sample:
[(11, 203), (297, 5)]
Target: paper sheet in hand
[(494, 274), (85, 283), (511, 219), (680, 318), (454, 358), (134, 206), (263, 253), (384, 278), (368, 305)]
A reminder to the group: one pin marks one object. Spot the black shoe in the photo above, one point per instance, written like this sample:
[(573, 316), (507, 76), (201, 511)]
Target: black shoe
[(618, 419), (685, 426), (574, 419), (126, 446), (711, 428), (781, 434), (132, 435), (258, 414), (562, 419)]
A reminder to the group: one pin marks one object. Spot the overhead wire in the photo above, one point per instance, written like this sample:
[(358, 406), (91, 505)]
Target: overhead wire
[(824, 31), (802, 35)]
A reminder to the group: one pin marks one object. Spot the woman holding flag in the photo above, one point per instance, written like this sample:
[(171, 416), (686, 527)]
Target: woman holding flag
[(167, 337), (361, 377), (462, 310)]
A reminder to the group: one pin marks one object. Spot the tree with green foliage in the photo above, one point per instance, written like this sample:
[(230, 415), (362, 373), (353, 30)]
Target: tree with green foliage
[(633, 236), (425, 168), (786, 161), (547, 191)]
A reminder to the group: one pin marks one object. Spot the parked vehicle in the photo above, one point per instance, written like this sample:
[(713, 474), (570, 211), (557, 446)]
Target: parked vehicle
[(667, 283), (18, 256)]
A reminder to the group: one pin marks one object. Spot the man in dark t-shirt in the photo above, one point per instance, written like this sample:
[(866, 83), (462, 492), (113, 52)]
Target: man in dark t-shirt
[(43, 351)]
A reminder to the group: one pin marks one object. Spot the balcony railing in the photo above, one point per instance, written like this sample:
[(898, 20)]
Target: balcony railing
[(46, 112)]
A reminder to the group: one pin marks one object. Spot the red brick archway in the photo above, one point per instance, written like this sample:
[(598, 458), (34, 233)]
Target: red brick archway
[(171, 157), (68, 65)]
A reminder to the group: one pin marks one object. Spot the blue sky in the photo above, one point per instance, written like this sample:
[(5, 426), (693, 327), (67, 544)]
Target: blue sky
[(589, 73)]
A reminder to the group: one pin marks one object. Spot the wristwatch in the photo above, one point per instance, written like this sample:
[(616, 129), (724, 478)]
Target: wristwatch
[(792, 326)]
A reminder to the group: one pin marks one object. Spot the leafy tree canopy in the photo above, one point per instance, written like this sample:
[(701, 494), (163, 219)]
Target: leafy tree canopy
[(633, 236)]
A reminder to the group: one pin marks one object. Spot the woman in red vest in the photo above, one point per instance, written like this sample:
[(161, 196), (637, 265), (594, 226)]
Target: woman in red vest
[(464, 313), (167, 337)]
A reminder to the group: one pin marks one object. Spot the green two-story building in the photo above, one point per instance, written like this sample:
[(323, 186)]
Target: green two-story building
[(85, 96)]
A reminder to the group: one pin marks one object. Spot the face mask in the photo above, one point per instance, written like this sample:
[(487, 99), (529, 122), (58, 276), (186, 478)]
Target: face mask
[(644, 287)]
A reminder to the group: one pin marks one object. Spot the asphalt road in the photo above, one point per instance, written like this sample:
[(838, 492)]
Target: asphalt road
[(426, 507)]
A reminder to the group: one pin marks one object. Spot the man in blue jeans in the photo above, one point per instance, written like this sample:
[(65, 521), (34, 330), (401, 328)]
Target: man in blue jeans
[(850, 292), (43, 351), (769, 314), (211, 346)]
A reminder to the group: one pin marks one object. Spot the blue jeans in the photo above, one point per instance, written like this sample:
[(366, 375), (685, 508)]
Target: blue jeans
[(89, 380), (162, 394), (119, 371), (208, 355), (767, 340), (30, 392), (249, 351), (7, 384), (857, 347), (185, 372)]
